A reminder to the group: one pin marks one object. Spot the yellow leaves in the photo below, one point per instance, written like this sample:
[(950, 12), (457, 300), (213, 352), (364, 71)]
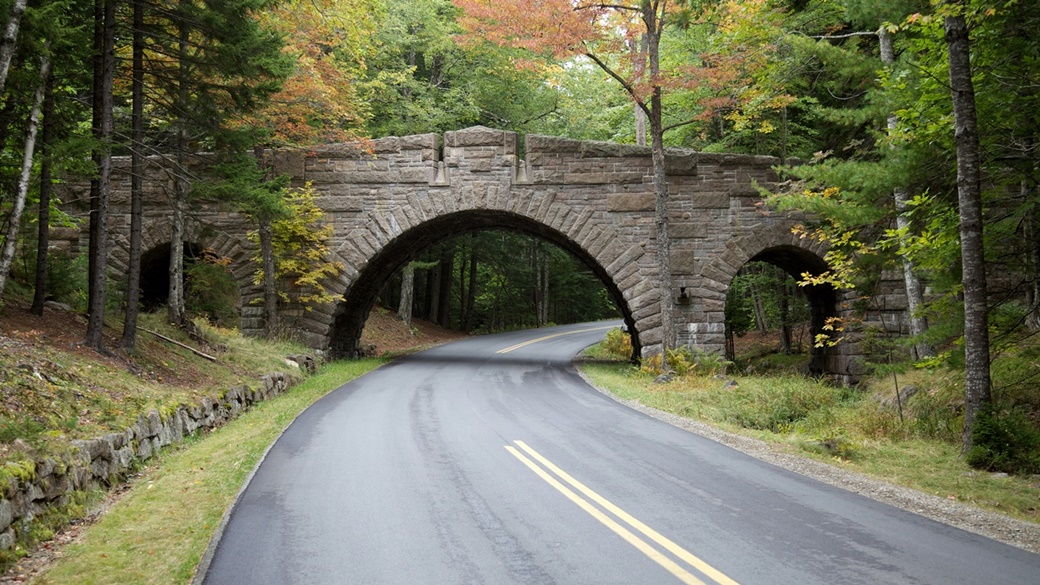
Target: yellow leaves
[(832, 329), (301, 253)]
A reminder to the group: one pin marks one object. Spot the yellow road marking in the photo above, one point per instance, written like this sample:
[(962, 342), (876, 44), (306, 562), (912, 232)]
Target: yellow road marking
[(650, 533), (526, 343), (655, 555)]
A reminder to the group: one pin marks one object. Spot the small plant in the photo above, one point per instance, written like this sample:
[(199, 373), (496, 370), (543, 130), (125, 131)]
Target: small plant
[(618, 344), (1004, 440), (212, 290)]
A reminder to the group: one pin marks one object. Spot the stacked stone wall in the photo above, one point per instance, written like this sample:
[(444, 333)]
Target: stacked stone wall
[(50, 482)]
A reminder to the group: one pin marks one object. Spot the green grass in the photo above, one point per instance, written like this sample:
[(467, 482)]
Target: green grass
[(159, 530), (841, 426)]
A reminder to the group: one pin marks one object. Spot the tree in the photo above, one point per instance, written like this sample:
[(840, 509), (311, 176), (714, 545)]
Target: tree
[(14, 221), (9, 39), (104, 73), (330, 43), (556, 30), (133, 271), (210, 63), (299, 252), (969, 196)]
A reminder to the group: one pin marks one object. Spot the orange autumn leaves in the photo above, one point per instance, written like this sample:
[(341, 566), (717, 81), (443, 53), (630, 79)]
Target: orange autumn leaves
[(318, 103)]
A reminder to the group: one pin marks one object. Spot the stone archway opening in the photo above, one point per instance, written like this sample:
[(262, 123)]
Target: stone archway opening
[(764, 297), (155, 274), (426, 238)]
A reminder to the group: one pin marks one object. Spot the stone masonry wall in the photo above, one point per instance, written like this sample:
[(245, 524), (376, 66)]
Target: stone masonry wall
[(106, 461)]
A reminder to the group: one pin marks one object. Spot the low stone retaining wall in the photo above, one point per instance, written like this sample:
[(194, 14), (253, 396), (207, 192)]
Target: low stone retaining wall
[(104, 462)]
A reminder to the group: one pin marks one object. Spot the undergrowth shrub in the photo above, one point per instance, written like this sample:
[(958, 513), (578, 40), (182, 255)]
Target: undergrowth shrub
[(1004, 440), (618, 344), (683, 361), (776, 404), (211, 290)]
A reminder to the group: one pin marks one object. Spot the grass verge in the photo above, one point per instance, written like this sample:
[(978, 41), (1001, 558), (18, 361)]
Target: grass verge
[(158, 532), (841, 426)]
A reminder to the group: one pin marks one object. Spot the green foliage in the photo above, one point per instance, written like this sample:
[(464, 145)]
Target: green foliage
[(211, 290), (301, 250), (1004, 440), (776, 406)]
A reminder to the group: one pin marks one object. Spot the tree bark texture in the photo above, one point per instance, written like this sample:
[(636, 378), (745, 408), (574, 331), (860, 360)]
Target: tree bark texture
[(133, 271), (266, 234), (43, 238), (969, 197), (9, 41), (104, 74), (22, 191)]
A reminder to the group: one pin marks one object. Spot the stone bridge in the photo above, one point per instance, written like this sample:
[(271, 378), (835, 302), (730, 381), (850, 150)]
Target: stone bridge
[(593, 199)]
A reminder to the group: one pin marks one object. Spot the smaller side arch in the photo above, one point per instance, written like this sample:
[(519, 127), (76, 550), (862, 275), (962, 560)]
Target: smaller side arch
[(777, 245)]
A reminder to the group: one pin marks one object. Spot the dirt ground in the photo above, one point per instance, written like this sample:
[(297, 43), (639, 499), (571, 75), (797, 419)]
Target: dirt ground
[(391, 336)]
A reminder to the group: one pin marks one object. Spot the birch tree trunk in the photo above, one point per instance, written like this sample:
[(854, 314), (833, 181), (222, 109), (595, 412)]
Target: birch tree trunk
[(43, 237), (969, 196), (14, 221), (9, 40)]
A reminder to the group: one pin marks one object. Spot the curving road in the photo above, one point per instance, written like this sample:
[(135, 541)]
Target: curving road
[(490, 461)]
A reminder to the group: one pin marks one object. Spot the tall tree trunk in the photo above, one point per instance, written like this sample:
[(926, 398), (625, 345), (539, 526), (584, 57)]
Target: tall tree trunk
[(133, 271), (404, 308), (914, 290), (654, 115), (639, 53), (1032, 238), (471, 291), (784, 293), (104, 44), (270, 292), (43, 240), (969, 196), (15, 219), (761, 324), (176, 311), (9, 41), (447, 266)]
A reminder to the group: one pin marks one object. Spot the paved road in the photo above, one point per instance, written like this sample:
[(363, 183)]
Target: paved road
[(490, 461)]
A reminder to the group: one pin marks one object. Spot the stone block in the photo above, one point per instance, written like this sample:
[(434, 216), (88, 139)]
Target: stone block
[(680, 164), (709, 201), (683, 262), (687, 230), (630, 202), (6, 514)]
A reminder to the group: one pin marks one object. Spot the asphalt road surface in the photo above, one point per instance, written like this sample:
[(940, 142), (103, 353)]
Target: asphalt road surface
[(490, 461)]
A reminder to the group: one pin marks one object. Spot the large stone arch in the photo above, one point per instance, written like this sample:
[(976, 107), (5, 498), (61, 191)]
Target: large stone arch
[(392, 237)]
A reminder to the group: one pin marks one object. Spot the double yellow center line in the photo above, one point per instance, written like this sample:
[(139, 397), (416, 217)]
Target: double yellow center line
[(586, 504), (529, 342)]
